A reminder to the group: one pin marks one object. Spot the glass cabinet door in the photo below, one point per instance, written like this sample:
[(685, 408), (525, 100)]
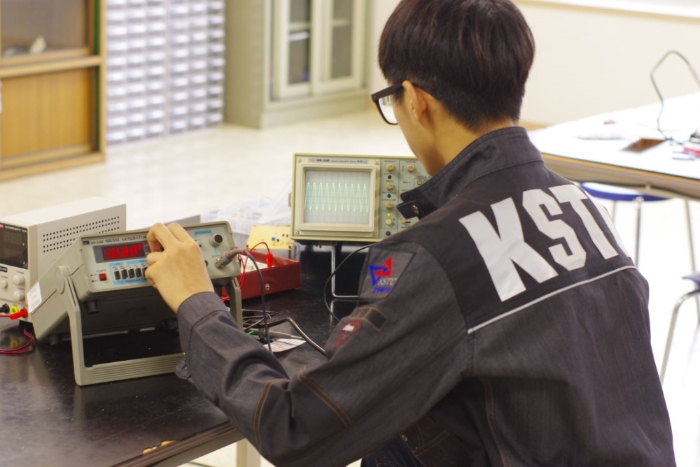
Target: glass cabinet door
[(35, 30), (341, 49), (317, 47), (292, 36), (340, 41)]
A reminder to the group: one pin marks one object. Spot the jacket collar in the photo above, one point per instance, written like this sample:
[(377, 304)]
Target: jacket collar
[(492, 152)]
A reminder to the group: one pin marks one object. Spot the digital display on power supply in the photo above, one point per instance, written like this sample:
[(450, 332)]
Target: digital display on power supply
[(13, 246), (121, 251), (337, 196)]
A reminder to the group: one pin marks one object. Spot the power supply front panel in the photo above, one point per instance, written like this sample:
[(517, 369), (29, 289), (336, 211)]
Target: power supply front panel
[(30, 242)]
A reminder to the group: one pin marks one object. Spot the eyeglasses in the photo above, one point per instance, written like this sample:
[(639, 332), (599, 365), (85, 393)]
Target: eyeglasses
[(384, 100)]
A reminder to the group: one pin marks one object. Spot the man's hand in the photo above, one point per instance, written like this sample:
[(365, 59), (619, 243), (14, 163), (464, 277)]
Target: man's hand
[(177, 272)]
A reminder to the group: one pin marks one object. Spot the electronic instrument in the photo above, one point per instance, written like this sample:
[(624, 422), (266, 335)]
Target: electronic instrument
[(345, 198), (98, 286), (30, 242)]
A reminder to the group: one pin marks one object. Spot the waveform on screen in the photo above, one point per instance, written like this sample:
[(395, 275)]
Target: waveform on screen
[(337, 197)]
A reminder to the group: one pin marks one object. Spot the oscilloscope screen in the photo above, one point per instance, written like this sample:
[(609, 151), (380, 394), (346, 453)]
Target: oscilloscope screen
[(337, 197)]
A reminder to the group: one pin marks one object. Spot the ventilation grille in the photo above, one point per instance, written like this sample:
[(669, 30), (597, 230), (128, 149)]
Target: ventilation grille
[(60, 239)]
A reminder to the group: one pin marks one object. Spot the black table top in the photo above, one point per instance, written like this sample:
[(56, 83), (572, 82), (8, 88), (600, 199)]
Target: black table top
[(45, 418)]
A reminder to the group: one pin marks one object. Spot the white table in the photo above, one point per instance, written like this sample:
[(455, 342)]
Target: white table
[(660, 170)]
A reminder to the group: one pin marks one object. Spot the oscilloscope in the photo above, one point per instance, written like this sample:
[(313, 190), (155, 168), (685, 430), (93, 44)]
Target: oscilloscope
[(351, 198)]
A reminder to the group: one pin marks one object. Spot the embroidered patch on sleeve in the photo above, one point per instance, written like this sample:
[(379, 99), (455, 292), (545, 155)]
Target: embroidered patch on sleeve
[(375, 317), (350, 328), (384, 269)]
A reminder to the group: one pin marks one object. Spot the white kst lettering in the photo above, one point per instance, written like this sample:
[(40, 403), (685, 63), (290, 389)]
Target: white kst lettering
[(574, 195), (609, 223), (534, 202), (504, 249)]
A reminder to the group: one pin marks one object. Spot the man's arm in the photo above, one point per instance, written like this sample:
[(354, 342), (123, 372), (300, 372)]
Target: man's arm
[(389, 362)]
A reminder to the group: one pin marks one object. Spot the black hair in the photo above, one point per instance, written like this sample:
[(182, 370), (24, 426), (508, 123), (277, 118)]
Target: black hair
[(475, 54)]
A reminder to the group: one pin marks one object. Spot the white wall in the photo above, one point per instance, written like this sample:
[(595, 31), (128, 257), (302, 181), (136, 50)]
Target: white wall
[(589, 60)]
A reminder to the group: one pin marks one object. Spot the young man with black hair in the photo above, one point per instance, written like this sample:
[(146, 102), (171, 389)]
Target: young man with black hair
[(516, 331)]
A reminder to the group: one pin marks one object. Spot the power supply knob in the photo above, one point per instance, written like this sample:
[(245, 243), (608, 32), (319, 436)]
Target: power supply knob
[(389, 222), (216, 240), (390, 167), (390, 186), (389, 205), (411, 167), (3, 284), (18, 280), (18, 295)]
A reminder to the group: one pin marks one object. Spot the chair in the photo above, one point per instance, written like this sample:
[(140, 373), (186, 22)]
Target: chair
[(619, 194), (695, 277)]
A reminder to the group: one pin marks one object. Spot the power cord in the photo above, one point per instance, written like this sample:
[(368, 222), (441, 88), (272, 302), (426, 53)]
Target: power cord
[(661, 97), (226, 259)]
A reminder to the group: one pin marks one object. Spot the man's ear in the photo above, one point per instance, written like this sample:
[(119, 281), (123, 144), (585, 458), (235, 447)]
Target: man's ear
[(417, 101)]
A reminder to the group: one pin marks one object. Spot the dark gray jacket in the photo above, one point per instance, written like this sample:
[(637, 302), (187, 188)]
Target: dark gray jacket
[(508, 328)]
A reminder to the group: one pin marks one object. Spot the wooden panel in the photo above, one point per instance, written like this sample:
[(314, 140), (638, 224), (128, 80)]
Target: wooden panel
[(9, 174), (47, 111), (35, 67)]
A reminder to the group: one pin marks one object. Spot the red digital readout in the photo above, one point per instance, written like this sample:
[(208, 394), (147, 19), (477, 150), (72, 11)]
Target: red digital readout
[(134, 250)]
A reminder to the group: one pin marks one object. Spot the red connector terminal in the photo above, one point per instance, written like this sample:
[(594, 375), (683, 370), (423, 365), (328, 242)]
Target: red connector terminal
[(23, 313), (268, 259)]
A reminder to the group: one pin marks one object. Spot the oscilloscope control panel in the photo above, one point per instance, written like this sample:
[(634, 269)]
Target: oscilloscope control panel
[(351, 198)]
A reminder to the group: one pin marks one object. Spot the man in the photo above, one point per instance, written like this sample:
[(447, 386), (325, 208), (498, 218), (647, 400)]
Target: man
[(516, 332)]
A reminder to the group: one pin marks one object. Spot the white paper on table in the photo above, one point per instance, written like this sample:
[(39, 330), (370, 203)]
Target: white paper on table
[(282, 345)]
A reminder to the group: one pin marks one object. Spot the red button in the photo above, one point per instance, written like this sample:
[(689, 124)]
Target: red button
[(103, 276)]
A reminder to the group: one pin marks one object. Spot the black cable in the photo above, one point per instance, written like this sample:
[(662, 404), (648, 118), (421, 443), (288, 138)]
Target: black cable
[(658, 92), (325, 286), (302, 335), (262, 295), (305, 337)]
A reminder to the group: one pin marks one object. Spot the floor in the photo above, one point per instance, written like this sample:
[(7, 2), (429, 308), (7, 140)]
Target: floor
[(163, 180)]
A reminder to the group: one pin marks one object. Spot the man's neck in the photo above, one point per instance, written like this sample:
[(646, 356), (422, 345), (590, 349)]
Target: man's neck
[(454, 137)]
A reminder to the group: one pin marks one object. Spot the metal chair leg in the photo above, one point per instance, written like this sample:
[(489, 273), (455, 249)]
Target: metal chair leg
[(669, 339), (638, 202), (691, 246), (690, 235)]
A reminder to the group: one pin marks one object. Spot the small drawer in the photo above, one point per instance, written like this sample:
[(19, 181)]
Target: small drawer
[(140, 103), (178, 125), (116, 121), (199, 93), (198, 79), (137, 118)]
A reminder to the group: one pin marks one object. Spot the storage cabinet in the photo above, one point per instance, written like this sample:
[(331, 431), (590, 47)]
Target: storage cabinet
[(51, 72), (294, 59), (165, 67), (317, 47)]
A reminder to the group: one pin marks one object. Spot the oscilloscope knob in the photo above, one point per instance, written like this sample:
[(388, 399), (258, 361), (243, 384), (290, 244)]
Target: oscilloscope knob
[(389, 205), (390, 186), (3, 284), (18, 295), (389, 222), (390, 167), (410, 167), (18, 280)]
